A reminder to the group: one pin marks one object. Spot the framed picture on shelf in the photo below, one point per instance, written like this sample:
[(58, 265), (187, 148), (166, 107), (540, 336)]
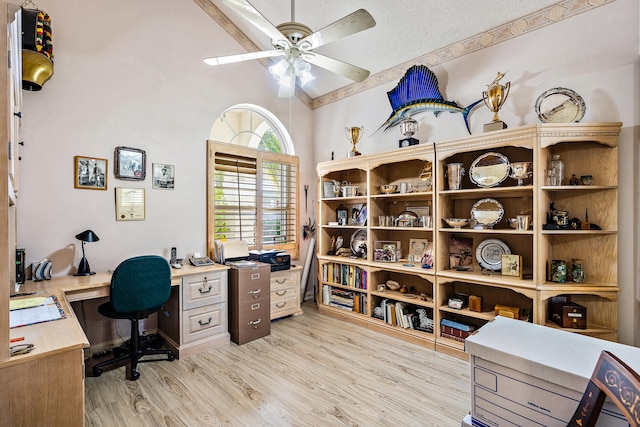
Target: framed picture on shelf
[(512, 265), (460, 253), (342, 216), (163, 176), (355, 213), (417, 247), (385, 250), (90, 173), (328, 190), (131, 163)]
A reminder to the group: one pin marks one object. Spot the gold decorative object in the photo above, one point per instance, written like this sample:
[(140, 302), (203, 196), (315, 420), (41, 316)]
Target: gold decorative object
[(353, 135), (494, 98)]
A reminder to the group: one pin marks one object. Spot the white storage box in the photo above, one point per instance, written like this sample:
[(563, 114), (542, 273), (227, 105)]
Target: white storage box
[(532, 375)]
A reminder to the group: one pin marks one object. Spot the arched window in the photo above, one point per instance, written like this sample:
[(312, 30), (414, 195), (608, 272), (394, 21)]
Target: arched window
[(252, 181), (252, 126)]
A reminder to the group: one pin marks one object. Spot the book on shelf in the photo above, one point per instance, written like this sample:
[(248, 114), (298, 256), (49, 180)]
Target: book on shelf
[(457, 325), (454, 332), (452, 337)]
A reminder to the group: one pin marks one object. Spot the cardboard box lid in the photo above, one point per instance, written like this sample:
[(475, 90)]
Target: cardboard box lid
[(559, 357)]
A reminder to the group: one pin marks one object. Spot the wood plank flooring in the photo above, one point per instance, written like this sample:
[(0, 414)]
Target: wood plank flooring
[(312, 370)]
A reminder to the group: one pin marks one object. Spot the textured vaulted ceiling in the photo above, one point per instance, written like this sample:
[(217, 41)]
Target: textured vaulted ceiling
[(406, 32)]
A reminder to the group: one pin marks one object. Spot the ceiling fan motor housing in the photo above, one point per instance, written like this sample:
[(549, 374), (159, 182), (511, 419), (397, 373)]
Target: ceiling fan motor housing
[(294, 31)]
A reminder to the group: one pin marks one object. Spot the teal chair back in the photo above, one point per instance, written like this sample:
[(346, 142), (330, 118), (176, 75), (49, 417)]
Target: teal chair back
[(141, 284)]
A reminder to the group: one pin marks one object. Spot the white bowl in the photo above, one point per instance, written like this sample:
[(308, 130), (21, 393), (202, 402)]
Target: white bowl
[(457, 222)]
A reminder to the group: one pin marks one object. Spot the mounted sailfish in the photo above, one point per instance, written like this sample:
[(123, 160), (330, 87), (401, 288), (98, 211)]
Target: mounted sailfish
[(417, 92)]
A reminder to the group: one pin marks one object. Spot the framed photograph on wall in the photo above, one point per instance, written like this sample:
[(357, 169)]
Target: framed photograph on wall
[(130, 204), (90, 173), (131, 163), (163, 176)]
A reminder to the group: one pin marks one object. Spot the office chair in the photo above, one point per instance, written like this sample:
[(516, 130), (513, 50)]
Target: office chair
[(614, 379), (140, 286)]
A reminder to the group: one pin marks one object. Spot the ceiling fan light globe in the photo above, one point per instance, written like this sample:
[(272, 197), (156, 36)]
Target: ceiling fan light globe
[(279, 69), (305, 77), (288, 79)]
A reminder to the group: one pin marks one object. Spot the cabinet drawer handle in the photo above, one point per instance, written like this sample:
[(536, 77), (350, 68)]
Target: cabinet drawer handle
[(280, 294), (202, 291), (205, 323), (255, 293), (280, 306), (255, 323), (281, 282)]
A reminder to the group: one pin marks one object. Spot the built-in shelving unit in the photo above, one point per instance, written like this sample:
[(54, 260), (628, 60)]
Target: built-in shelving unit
[(586, 149)]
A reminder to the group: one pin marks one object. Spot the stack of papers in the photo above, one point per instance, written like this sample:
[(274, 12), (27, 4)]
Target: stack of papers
[(27, 311)]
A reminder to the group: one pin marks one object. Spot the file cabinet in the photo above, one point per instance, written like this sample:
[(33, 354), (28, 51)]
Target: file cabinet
[(249, 303)]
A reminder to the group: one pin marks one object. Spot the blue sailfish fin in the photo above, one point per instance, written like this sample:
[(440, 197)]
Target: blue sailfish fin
[(419, 82)]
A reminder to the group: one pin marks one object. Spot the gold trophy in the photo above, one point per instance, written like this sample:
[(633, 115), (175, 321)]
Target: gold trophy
[(353, 135), (494, 98)]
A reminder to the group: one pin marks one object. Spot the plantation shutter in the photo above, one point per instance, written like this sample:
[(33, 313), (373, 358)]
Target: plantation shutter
[(253, 197), (235, 198)]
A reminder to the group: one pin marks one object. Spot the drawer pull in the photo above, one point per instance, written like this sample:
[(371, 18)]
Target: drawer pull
[(202, 290), (281, 282), (255, 323), (208, 322), (255, 293), (280, 294), (280, 306)]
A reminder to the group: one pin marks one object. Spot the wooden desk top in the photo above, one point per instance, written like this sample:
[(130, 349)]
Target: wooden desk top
[(66, 334)]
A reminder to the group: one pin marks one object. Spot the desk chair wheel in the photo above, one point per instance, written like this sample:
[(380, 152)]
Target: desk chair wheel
[(134, 375), (97, 371), (171, 357)]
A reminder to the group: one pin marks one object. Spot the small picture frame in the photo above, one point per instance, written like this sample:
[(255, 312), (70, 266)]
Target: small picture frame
[(163, 176), (130, 163), (512, 265), (417, 248), (130, 204), (342, 216), (328, 190), (358, 214), (90, 173), (385, 250)]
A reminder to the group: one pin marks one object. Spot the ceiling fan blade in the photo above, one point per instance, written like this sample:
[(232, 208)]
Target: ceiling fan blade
[(350, 71), (353, 23), (243, 57), (251, 14)]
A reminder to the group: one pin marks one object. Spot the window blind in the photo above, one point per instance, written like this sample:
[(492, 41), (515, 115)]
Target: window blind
[(253, 197)]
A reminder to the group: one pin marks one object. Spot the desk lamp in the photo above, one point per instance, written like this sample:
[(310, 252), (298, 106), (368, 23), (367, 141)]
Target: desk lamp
[(83, 267)]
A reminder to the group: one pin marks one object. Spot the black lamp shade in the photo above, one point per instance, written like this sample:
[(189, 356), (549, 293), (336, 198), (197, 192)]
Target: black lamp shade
[(83, 267), (87, 236)]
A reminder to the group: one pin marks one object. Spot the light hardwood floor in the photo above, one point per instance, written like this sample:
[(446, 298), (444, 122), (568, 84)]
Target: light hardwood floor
[(312, 370)]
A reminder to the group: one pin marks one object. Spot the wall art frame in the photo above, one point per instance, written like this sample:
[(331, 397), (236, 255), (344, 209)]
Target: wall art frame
[(130, 204), (163, 176), (90, 173), (130, 163)]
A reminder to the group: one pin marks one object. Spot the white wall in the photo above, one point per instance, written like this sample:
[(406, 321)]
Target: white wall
[(130, 73), (594, 53)]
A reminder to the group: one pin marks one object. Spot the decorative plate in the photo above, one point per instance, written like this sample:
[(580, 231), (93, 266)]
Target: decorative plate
[(487, 212), (489, 170), (489, 253), (359, 242), (560, 105)]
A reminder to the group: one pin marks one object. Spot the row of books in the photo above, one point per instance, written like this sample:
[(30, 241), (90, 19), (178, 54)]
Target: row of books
[(346, 300), (401, 314), (344, 274), (455, 330)]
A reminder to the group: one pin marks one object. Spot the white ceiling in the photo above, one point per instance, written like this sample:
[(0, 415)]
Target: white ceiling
[(405, 29)]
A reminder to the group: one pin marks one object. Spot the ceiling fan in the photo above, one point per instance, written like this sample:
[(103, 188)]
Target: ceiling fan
[(295, 42)]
